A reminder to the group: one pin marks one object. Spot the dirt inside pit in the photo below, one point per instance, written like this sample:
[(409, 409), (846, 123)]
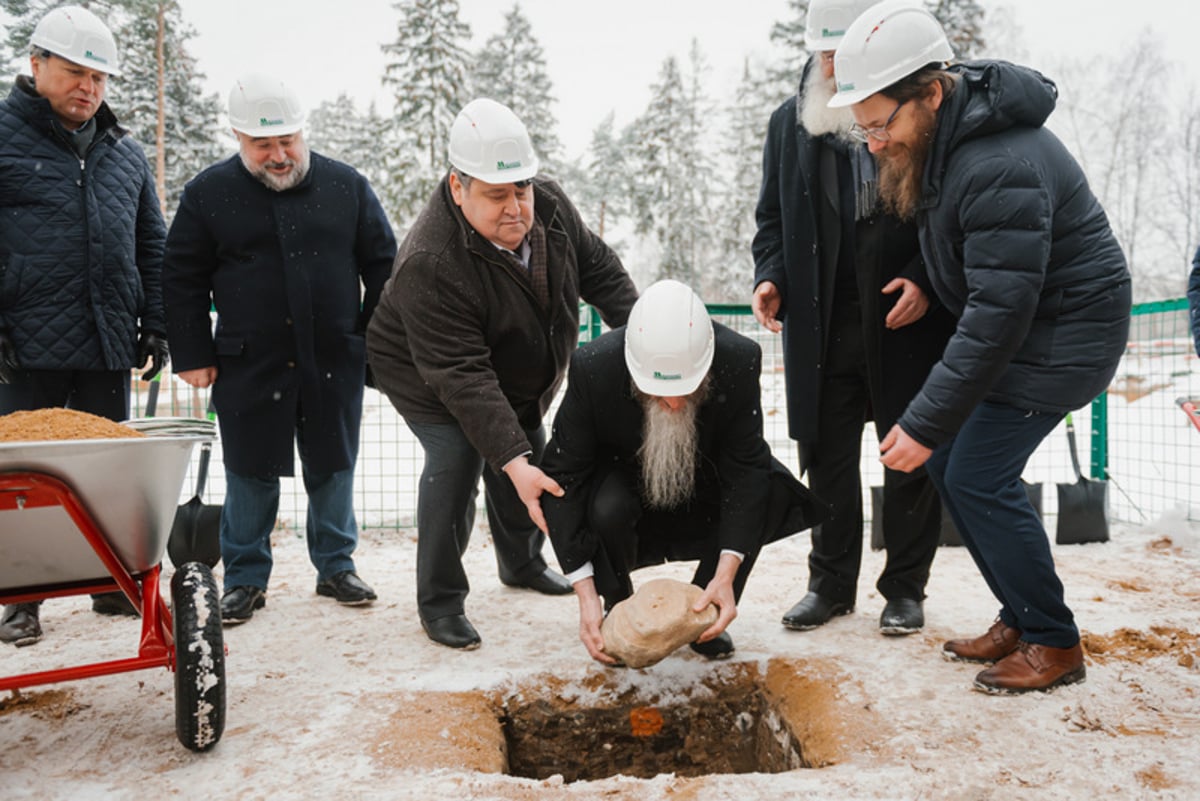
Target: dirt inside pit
[(739, 719)]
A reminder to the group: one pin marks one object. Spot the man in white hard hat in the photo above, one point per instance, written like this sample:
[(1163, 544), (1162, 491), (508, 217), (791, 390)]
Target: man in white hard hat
[(292, 249), (1022, 254), (81, 241), (845, 284), (658, 448), (470, 343)]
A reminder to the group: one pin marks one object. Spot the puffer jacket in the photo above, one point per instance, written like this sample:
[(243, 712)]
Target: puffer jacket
[(1019, 249), (81, 240), (458, 335)]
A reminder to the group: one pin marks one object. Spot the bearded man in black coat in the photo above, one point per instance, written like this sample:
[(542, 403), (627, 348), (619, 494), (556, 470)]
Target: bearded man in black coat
[(845, 284), (658, 449)]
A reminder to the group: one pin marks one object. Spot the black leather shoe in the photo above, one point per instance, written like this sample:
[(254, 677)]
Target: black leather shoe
[(902, 616), (719, 647), (547, 583), (113, 603), (238, 604), (453, 631), (347, 588), (19, 624), (813, 611)]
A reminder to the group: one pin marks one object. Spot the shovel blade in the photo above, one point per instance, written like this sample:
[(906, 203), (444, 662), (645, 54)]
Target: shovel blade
[(1082, 512), (195, 534)]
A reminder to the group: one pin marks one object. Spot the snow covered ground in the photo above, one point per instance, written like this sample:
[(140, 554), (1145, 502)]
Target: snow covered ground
[(333, 702)]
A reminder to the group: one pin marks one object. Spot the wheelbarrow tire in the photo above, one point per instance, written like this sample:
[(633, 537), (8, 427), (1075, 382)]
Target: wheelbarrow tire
[(199, 657)]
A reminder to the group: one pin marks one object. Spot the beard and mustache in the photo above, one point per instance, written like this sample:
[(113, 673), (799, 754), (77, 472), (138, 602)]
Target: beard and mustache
[(669, 452), (815, 114), (902, 166), (280, 183)]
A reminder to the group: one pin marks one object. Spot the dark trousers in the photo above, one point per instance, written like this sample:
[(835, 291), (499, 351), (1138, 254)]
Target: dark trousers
[(631, 536), (104, 393), (446, 515), (912, 513), (979, 476)]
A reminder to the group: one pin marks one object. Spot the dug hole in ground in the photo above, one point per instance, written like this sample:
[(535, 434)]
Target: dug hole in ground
[(356, 703)]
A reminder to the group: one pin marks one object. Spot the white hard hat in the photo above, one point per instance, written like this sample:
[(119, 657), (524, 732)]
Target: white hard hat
[(261, 105), (828, 21), (668, 340), (489, 142), (889, 41), (78, 35)]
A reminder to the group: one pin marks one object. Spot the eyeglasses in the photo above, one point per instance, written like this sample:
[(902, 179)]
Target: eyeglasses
[(879, 134)]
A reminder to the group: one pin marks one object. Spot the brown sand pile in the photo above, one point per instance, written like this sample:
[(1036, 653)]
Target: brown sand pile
[(57, 424)]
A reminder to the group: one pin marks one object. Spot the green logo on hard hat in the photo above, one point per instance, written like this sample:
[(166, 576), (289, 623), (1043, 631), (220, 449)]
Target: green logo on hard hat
[(94, 57), (265, 121), (668, 376), (507, 165), (827, 33), (848, 86)]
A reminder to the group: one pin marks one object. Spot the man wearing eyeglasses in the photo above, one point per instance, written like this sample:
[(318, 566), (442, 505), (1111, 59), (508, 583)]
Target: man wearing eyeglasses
[(1021, 252), (846, 286), (471, 341)]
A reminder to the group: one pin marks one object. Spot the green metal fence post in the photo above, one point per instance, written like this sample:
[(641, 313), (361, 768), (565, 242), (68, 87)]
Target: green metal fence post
[(1099, 467)]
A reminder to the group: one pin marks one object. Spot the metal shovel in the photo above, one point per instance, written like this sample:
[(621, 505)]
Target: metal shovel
[(1082, 505), (196, 533)]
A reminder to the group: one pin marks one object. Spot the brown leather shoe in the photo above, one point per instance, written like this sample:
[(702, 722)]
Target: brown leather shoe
[(1000, 641), (1033, 667)]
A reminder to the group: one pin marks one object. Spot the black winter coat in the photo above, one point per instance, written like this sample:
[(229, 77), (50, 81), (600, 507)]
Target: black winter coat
[(600, 421), (1019, 249), (286, 273), (459, 336), (798, 253), (81, 240)]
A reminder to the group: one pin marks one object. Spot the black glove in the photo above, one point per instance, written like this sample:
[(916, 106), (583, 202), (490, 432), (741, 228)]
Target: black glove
[(153, 347), (8, 359)]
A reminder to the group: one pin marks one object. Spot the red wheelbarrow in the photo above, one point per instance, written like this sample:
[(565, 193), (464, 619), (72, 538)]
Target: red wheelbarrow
[(90, 516)]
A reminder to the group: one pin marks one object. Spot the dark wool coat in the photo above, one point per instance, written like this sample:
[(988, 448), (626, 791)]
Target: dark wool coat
[(1019, 249), (796, 247), (81, 240), (600, 422), (459, 336), (286, 272)]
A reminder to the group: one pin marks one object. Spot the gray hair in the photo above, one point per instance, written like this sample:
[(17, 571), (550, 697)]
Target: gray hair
[(463, 178)]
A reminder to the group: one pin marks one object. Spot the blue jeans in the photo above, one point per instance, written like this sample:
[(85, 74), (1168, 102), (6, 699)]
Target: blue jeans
[(446, 515), (251, 506), (978, 474)]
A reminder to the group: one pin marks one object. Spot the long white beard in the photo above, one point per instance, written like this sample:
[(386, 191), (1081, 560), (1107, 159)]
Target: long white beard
[(815, 114), (669, 452)]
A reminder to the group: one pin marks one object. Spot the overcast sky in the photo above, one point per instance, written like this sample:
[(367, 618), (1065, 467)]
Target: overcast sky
[(604, 56)]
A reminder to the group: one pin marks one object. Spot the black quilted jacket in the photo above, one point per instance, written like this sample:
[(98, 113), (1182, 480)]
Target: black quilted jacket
[(81, 241)]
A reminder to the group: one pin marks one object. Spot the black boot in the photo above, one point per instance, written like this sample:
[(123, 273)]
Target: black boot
[(19, 624)]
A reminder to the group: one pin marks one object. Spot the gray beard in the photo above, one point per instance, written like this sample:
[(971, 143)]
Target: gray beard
[(815, 114), (669, 452), (279, 183)]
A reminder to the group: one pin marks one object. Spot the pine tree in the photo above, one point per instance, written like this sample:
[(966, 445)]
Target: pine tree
[(741, 150), (427, 72), (604, 197), (672, 175), (511, 69), (189, 138), (963, 22)]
